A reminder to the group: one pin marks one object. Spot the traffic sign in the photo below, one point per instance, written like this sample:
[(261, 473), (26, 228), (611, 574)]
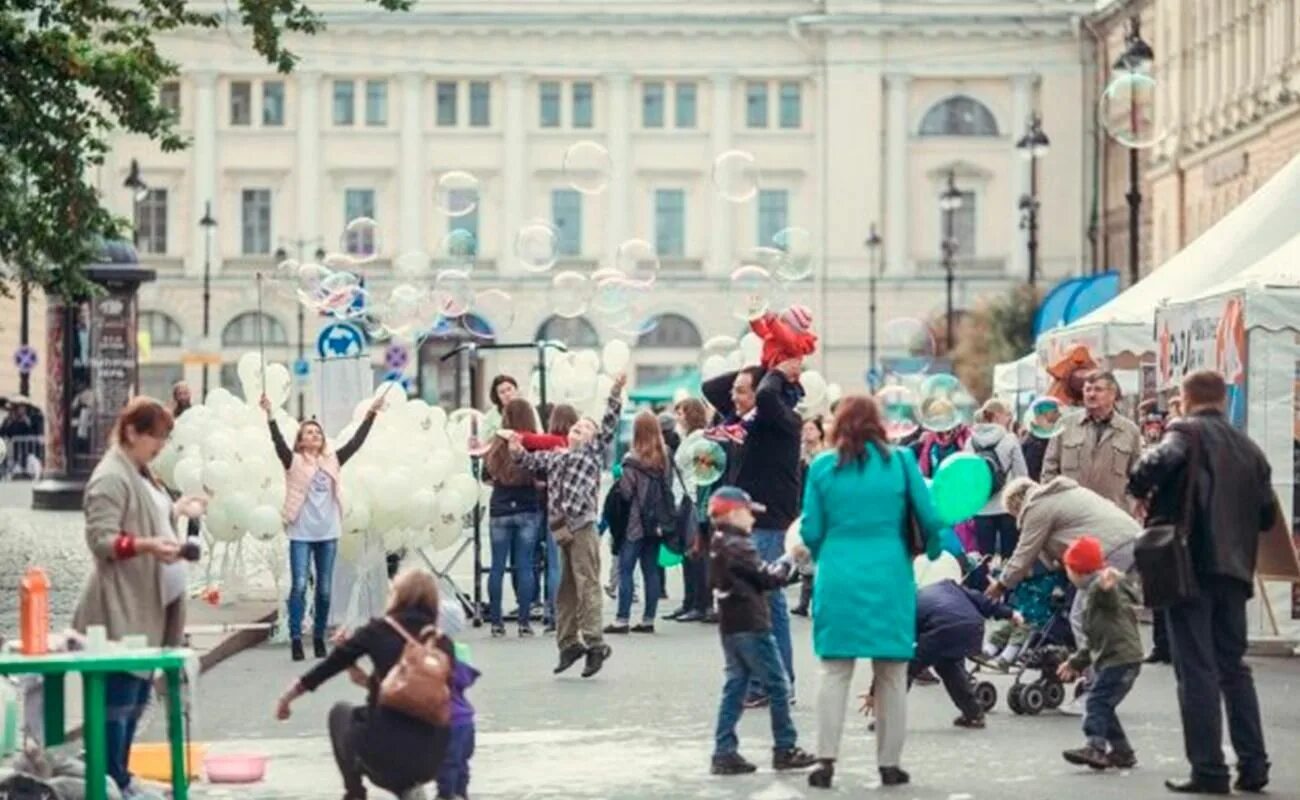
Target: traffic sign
[(395, 357), (25, 359), (301, 368), (340, 340)]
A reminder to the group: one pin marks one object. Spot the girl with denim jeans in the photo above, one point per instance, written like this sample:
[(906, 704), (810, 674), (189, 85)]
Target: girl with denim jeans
[(313, 517), (515, 525)]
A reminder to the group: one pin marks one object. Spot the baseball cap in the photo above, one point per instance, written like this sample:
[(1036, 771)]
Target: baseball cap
[(729, 498)]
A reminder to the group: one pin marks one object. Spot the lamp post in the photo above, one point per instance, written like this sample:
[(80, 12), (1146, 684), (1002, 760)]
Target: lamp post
[(1137, 58), (872, 244), (280, 255), (1033, 146), (139, 191), (207, 223), (949, 202)]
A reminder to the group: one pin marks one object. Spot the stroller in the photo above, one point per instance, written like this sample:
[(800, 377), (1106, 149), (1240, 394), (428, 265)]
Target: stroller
[(1036, 686)]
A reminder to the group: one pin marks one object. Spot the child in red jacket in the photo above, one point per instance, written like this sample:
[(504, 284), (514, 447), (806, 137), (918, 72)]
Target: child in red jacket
[(786, 336)]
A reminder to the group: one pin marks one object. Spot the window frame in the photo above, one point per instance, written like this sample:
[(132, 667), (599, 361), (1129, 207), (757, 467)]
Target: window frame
[(653, 102), (673, 246), (348, 119), (151, 320), (169, 97), (550, 97), (151, 221), (694, 95), (252, 196), (942, 119), (568, 238), (439, 95), (376, 113), (485, 106), (266, 120), (582, 116), (359, 243), (244, 88), (795, 121), (767, 238), (756, 97)]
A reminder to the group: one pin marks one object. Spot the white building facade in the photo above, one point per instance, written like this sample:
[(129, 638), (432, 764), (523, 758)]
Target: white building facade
[(855, 113)]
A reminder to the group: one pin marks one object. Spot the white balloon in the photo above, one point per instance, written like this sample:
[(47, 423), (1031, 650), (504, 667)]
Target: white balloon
[(218, 476), (350, 549), (356, 516), (616, 356), (393, 393), (833, 393), (814, 387), (927, 572), (734, 361), (446, 532), (188, 434), (219, 398), (220, 523), (681, 394), (465, 489), (713, 366), (249, 370), (219, 446), (264, 523), (751, 348), (278, 384), (424, 507), (189, 475)]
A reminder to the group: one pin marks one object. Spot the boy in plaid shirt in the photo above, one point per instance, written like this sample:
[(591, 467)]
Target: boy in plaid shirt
[(573, 481)]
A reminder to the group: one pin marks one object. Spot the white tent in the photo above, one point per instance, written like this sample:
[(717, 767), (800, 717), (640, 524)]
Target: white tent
[(1255, 228), (1017, 381)]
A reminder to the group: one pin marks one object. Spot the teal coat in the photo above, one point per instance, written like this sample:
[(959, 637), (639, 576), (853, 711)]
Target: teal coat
[(864, 599)]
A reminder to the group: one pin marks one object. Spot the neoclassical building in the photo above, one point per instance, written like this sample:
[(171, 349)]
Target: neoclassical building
[(855, 113)]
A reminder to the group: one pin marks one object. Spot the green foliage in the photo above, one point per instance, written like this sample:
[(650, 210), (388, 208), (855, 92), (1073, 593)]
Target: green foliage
[(70, 74), (996, 332)]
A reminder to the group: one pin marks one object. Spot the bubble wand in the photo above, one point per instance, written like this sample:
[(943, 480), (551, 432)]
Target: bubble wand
[(261, 334)]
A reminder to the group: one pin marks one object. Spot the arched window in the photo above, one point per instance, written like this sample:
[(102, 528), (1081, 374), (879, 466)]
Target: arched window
[(242, 331), (575, 332), (163, 330), (959, 115), (671, 330)]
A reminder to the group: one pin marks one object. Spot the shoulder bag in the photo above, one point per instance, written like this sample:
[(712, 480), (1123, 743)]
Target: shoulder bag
[(913, 533), (419, 683), (1162, 554)]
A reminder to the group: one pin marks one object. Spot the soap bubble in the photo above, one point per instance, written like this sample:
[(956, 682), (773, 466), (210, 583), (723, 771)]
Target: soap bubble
[(361, 239), (636, 319), (494, 307), (459, 247), (310, 284), (403, 311), (898, 409), (412, 265), (338, 294), (587, 167), (910, 340), (535, 246), (945, 404), (637, 259), (611, 294), (453, 295), (795, 246), (714, 354), (735, 176), (570, 294), (1045, 417), (1128, 110), (702, 461), (750, 292), (457, 193)]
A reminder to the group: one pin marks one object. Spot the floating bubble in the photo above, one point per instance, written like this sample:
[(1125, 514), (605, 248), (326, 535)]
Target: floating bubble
[(637, 318), (1045, 417), (570, 294), (714, 354), (535, 246), (735, 176), (587, 167), (453, 294), (750, 292), (494, 307), (338, 293), (310, 283), (457, 193), (701, 460), (611, 293), (898, 408), (910, 342), (459, 248), (945, 404), (403, 311), (360, 241), (795, 246), (637, 259), (1128, 110), (414, 264)]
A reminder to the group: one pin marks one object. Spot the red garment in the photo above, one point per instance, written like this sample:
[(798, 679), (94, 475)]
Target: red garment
[(781, 342), (1084, 555), (543, 441)]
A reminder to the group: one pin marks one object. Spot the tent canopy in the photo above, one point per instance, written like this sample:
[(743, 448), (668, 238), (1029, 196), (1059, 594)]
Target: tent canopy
[(1016, 376), (663, 391), (1271, 288)]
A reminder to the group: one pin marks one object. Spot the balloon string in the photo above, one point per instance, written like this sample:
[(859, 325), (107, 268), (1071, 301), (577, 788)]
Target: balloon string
[(261, 333)]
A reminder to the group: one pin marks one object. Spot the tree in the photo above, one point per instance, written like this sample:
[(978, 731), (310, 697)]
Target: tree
[(74, 72), (998, 331)]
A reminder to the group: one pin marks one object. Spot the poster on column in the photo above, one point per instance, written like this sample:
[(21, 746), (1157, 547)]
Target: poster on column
[(1209, 334)]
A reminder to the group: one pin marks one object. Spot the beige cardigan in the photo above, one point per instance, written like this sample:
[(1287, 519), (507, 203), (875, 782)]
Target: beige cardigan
[(125, 596)]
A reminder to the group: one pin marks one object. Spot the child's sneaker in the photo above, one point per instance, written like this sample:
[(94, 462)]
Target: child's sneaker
[(731, 764), (1088, 756), (793, 758), (976, 723)]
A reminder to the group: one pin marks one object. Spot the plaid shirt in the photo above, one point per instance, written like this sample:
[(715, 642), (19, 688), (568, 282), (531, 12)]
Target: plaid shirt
[(573, 475)]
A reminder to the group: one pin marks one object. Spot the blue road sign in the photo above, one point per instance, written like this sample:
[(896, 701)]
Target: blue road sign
[(340, 340)]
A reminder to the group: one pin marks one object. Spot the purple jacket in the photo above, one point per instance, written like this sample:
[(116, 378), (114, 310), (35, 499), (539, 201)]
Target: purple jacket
[(462, 677)]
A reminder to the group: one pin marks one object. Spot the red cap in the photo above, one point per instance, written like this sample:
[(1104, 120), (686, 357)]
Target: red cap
[(1084, 555)]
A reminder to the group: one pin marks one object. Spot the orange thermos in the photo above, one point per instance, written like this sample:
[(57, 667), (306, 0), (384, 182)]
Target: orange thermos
[(34, 612)]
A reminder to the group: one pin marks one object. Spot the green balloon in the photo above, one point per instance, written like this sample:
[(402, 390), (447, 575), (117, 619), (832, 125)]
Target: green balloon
[(667, 558), (961, 487)]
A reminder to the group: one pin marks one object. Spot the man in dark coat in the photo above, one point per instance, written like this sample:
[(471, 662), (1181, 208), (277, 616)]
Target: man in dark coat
[(1232, 503)]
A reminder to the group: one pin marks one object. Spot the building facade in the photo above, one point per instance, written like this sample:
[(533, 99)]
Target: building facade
[(855, 114)]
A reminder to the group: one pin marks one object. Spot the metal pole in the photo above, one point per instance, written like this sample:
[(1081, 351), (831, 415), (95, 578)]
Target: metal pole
[(948, 266), (1033, 221), (302, 333), (1134, 215), (24, 378), (207, 290)]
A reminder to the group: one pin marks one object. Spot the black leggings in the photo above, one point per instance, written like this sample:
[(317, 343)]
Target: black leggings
[(351, 739)]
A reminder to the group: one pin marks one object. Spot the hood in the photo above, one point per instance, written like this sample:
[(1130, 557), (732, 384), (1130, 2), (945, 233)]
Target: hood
[(988, 435), (636, 465), (1058, 485)]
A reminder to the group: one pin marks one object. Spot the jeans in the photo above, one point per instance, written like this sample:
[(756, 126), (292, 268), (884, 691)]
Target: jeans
[(1100, 722), (300, 553), (552, 577), (125, 698), (995, 535), (771, 546), (696, 595), (643, 551), (514, 538), (752, 657), (453, 775), (952, 671)]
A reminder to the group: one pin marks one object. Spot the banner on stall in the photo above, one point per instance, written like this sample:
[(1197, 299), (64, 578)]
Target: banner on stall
[(1209, 334)]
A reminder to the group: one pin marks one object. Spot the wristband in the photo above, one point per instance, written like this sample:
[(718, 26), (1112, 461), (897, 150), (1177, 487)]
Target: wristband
[(124, 546)]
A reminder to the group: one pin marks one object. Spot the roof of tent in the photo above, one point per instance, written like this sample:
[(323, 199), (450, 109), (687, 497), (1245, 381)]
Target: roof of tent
[(1255, 228), (1271, 286), (1016, 376)]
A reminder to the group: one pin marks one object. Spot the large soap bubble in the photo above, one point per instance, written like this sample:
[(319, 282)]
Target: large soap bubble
[(750, 292), (898, 407), (735, 176), (1128, 110), (701, 460), (945, 404), (587, 166)]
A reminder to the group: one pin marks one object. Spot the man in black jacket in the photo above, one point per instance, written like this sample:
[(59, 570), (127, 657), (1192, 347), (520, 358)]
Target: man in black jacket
[(766, 466), (1232, 503)]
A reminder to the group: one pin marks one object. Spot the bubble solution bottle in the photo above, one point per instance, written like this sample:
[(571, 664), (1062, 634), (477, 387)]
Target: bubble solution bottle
[(34, 612)]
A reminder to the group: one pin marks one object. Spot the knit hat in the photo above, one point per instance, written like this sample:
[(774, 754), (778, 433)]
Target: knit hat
[(798, 317), (728, 499), (1084, 555)]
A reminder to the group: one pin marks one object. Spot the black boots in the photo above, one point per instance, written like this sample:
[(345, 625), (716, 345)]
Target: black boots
[(295, 648), (318, 646), (824, 773)]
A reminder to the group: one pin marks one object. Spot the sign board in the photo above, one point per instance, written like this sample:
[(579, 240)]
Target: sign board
[(25, 359), (339, 384), (1209, 334), (340, 340), (112, 359)]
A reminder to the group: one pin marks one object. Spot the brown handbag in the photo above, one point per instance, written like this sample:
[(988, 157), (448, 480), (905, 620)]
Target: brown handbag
[(419, 684)]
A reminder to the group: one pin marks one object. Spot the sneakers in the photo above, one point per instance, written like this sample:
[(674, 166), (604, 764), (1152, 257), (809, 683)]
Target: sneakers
[(689, 616), (644, 627), (731, 764), (596, 658), (799, 611), (823, 775), (617, 628), (569, 656), (549, 627), (498, 630), (1088, 756), (792, 758), (295, 650), (927, 678), (975, 723), (525, 631), (675, 613), (894, 776)]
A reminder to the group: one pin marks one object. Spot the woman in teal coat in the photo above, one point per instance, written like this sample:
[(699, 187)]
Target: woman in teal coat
[(864, 602)]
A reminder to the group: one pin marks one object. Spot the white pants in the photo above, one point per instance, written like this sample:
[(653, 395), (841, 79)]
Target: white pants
[(890, 707)]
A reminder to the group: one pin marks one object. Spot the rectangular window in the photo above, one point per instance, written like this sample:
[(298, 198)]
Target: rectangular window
[(685, 102), (652, 105), (376, 103), (963, 226), (791, 105), (480, 104), (670, 222), (773, 213), (151, 222), (549, 94), (359, 203), (344, 102), (273, 103), (241, 102), (446, 91), (255, 221), (582, 104), (465, 198), (566, 216), (756, 104), (169, 97)]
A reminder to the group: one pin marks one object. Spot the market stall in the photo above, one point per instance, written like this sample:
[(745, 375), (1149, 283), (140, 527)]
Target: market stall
[(1017, 382)]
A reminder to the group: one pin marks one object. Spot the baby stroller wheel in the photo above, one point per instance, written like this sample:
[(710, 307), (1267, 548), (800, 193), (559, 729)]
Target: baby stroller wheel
[(1013, 698), (986, 694), (1032, 699), (1053, 694)]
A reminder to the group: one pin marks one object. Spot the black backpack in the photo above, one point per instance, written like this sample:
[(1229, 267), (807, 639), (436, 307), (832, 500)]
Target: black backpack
[(997, 470), (616, 511)]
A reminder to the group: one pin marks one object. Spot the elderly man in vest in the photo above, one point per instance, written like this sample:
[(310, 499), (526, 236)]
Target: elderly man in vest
[(1099, 448)]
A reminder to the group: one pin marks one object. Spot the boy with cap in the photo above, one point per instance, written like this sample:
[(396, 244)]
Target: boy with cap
[(739, 580), (1114, 651)]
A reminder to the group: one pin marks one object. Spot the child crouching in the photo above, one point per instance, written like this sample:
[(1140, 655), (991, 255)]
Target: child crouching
[(453, 776)]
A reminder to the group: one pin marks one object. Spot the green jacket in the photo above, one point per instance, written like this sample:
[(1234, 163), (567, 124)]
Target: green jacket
[(1110, 625)]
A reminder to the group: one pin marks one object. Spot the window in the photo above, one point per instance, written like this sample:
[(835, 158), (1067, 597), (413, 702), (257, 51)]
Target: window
[(446, 91), (963, 226), (582, 104), (959, 116), (344, 103), (685, 101), (376, 103), (756, 104), (359, 203), (773, 212), (151, 222), (673, 330), (566, 216), (163, 330), (255, 221), (465, 198), (670, 222), (791, 105), (169, 97), (652, 105), (273, 103), (157, 380), (241, 102), (242, 331), (575, 332), (480, 104), (549, 93)]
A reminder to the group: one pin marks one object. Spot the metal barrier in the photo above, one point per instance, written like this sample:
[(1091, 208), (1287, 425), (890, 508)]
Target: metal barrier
[(23, 456)]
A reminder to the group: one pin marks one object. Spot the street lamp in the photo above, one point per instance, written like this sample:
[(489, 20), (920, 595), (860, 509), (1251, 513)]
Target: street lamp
[(1033, 146), (949, 202), (872, 244), (1137, 58), (139, 191), (207, 223), (280, 255)]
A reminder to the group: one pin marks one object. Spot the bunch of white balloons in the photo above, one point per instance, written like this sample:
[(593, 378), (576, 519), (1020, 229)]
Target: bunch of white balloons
[(582, 379), (725, 354)]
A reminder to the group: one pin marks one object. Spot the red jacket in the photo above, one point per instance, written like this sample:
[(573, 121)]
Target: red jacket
[(781, 342)]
